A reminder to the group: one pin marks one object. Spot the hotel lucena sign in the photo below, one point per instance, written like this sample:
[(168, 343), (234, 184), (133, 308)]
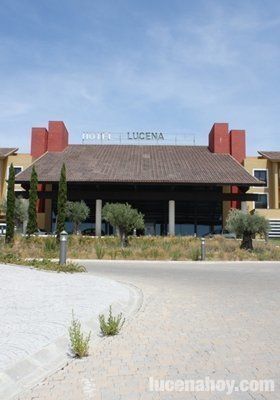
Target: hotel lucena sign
[(130, 136)]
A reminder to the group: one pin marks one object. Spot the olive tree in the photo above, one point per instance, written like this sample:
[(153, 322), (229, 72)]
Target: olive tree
[(124, 218), (21, 211), (247, 225), (77, 212)]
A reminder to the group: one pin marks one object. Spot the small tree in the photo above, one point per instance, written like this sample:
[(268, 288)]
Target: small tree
[(61, 202), (10, 213), (247, 225), (77, 212), (21, 210), (33, 197), (124, 218)]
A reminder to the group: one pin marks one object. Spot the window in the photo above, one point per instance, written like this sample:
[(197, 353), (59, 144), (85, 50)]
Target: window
[(261, 202), (261, 175), (17, 170)]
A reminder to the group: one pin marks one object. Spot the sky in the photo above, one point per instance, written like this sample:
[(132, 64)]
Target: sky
[(173, 66)]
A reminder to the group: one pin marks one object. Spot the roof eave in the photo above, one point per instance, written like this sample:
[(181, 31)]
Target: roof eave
[(264, 154), (12, 151), (151, 182)]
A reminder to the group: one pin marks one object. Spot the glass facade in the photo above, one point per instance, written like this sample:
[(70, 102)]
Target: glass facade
[(191, 218)]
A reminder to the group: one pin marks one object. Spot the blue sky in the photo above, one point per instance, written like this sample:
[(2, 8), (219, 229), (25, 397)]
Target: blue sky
[(158, 65)]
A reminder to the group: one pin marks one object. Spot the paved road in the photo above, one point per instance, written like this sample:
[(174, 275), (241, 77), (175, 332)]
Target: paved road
[(198, 320)]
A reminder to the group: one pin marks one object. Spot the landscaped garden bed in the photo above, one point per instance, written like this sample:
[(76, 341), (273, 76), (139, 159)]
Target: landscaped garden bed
[(139, 248)]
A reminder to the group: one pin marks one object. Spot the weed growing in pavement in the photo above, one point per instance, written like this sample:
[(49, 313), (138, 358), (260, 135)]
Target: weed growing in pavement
[(79, 342), (112, 325)]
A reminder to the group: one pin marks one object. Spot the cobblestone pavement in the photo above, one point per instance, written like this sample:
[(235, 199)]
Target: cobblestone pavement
[(197, 320)]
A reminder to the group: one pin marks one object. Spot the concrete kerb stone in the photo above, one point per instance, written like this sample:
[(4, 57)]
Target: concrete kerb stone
[(32, 370), (181, 262)]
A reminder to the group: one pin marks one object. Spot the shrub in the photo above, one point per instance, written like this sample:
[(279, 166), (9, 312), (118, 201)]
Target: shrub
[(79, 343), (112, 325), (113, 254), (175, 255), (99, 250), (50, 245), (195, 253), (125, 253)]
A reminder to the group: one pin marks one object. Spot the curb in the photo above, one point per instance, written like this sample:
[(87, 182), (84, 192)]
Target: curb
[(29, 372), (181, 262)]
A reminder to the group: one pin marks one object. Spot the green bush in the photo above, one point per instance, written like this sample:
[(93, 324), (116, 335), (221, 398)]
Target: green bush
[(51, 245), (113, 254), (112, 325), (9, 258), (175, 255), (100, 251), (79, 343), (195, 253)]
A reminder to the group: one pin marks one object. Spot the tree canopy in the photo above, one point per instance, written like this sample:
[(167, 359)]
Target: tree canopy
[(124, 218), (77, 212)]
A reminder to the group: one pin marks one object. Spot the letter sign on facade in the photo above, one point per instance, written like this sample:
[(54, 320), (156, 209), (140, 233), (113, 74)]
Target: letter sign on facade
[(145, 136)]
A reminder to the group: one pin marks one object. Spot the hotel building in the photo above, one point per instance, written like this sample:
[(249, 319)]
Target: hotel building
[(182, 190)]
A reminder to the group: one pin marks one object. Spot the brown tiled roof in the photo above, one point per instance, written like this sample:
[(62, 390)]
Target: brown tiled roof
[(5, 151), (140, 164), (271, 155)]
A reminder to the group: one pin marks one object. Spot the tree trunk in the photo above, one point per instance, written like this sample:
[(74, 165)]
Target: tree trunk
[(247, 241), (124, 240)]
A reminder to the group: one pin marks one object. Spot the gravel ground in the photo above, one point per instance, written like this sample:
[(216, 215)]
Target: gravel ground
[(36, 307)]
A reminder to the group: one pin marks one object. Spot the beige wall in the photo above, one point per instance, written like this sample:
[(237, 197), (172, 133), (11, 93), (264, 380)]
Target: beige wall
[(252, 163), (18, 160), (270, 213)]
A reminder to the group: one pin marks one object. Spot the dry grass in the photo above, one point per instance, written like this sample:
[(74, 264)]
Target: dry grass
[(143, 248)]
